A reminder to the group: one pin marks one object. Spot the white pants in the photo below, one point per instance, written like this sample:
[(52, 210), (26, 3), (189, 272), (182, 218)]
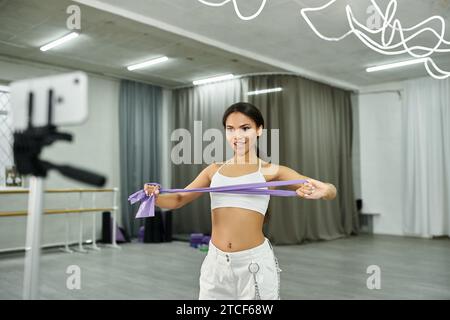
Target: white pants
[(243, 275)]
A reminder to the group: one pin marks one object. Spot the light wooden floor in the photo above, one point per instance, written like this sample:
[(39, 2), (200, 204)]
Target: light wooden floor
[(410, 269)]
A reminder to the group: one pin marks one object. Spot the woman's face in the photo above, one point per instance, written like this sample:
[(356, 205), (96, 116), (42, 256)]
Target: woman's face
[(241, 133)]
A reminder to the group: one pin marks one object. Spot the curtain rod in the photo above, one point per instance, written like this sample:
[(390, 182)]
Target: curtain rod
[(398, 92), (274, 73), (381, 91)]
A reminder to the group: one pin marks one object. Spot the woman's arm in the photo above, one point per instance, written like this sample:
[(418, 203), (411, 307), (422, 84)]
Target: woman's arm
[(314, 189), (179, 199)]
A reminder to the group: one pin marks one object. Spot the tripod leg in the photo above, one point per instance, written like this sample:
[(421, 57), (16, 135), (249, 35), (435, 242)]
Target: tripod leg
[(33, 241)]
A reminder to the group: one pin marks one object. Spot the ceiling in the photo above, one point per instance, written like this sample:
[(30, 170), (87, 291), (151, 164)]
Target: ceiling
[(108, 43), (203, 41)]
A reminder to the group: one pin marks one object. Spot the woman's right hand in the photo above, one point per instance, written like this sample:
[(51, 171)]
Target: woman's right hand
[(151, 189)]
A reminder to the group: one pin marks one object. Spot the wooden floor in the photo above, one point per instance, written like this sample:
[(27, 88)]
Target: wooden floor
[(410, 269)]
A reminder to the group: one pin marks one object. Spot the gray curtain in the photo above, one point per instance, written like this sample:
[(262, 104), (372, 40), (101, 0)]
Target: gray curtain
[(315, 122), (140, 144)]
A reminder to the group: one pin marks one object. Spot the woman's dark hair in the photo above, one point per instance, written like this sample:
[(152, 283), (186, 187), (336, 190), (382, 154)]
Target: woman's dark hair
[(252, 112)]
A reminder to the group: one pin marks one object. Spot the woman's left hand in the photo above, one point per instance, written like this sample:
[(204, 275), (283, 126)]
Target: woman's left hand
[(313, 189)]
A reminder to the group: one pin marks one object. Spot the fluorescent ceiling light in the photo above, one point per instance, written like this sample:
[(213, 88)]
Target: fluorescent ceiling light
[(62, 40), (396, 65), (147, 63), (264, 91), (213, 79)]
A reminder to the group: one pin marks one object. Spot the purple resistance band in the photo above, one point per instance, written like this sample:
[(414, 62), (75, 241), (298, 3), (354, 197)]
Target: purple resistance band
[(147, 207)]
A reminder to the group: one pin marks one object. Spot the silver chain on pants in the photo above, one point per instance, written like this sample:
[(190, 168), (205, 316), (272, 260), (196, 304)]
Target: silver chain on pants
[(253, 268)]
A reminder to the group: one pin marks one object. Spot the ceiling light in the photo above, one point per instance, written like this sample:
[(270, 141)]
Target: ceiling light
[(251, 93), (62, 40), (147, 63), (396, 65)]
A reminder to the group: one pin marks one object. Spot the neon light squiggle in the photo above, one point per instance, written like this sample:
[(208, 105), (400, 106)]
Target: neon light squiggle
[(393, 26), (236, 8)]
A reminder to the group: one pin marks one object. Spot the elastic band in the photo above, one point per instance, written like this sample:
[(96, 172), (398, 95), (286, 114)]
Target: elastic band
[(147, 207)]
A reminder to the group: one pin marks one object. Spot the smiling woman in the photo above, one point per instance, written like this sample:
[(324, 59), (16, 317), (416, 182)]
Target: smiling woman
[(239, 252), (243, 124)]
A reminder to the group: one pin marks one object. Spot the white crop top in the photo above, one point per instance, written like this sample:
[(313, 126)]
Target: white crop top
[(255, 202)]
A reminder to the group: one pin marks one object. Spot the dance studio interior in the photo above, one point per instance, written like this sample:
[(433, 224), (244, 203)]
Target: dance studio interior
[(109, 109)]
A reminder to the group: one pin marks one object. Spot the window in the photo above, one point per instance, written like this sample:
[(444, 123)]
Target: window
[(6, 137)]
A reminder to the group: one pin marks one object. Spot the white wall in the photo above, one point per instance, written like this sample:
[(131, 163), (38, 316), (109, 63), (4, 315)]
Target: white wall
[(379, 117), (95, 147)]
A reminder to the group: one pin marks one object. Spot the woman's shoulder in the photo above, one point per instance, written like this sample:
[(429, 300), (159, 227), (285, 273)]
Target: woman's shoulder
[(216, 164), (270, 170), (269, 165), (213, 167)]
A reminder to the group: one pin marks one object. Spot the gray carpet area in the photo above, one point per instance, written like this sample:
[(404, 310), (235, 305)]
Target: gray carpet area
[(410, 269)]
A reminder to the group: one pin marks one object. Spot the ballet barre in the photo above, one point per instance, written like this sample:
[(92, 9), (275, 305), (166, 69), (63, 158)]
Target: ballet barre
[(67, 211)]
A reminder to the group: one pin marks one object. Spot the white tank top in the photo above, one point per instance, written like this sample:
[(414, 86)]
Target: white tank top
[(255, 202)]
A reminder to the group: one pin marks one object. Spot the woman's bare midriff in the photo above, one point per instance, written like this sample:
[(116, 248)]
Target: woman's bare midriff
[(236, 229)]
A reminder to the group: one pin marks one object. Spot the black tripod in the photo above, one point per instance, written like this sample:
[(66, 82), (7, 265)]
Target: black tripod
[(27, 147)]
